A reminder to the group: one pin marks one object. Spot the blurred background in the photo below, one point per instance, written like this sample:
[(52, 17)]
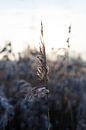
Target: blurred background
[(20, 23)]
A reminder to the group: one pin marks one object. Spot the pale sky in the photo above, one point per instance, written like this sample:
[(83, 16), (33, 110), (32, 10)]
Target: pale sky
[(20, 23)]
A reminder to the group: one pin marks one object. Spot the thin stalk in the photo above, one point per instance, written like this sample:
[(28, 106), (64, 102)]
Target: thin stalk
[(42, 70)]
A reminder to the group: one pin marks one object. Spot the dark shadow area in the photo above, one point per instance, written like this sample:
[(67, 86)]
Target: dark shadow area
[(23, 104)]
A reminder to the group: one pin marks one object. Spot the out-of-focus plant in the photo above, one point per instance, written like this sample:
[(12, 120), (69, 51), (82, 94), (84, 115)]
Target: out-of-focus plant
[(6, 113), (41, 99)]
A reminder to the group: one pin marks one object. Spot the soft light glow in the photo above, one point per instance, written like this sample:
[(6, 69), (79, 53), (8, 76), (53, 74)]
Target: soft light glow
[(22, 27)]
